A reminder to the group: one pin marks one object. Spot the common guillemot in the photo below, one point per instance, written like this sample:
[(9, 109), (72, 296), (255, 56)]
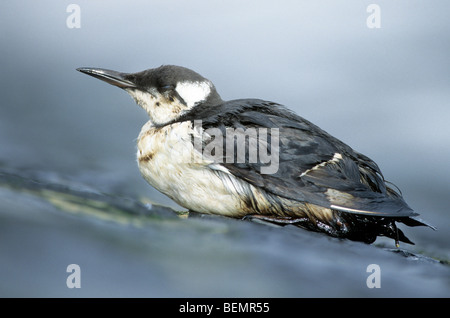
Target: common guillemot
[(250, 158)]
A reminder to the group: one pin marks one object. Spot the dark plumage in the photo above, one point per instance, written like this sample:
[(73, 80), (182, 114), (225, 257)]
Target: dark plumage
[(303, 146)]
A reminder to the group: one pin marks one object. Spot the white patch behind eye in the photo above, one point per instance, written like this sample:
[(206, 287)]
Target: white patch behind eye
[(193, 92)]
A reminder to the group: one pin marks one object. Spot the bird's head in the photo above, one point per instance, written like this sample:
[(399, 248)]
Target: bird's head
[(165, 93)]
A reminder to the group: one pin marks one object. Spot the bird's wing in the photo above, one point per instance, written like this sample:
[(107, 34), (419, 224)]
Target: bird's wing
[(306, 163)]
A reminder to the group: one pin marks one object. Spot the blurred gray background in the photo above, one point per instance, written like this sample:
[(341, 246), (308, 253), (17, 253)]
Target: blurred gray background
[(385, 92)]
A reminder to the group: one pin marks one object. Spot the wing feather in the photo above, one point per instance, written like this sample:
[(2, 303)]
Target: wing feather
[(313, 166)]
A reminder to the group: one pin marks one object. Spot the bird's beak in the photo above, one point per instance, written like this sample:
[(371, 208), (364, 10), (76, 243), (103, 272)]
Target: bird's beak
[(112, 77)]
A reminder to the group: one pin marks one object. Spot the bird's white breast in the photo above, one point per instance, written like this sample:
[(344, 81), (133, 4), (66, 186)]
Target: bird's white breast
[(168, 161)]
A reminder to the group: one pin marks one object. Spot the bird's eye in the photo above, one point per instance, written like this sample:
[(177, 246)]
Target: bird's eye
[(166, 87)]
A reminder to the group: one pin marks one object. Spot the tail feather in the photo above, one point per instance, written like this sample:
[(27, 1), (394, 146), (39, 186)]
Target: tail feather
[(415, 221)]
